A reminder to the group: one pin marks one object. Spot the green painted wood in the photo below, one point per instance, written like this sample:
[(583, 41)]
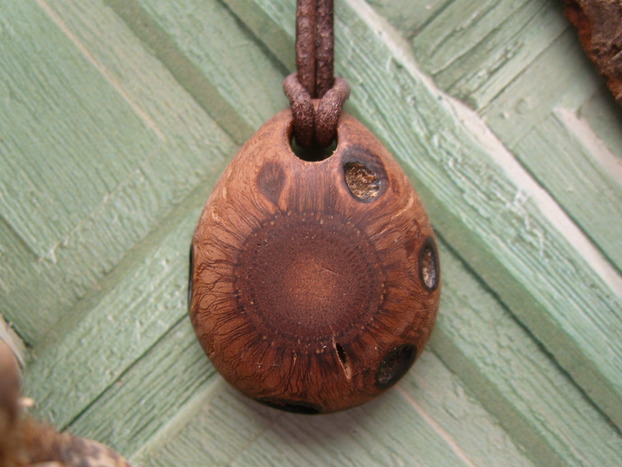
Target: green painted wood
[(144, 300), (529, 98), (476, 337), (114, 357), (219, 74), (489, 210), (515, 378), (473, 49), (409, 16), (223, 428), (178, 144), (40, 202), (492, 43), (559, 153), (150, 393)]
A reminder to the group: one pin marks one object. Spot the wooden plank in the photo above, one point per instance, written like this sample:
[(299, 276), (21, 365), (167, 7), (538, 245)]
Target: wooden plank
[(605, 119), (483, 202), (463, 54), (560, 152), (140, 302), (491, 356), (176, 369), (474, 49), (169, 169), (515, 379), (223, 428), (43, 96), (219, 74), (149, 394), (529, 98), (567, 407), (409, 16)]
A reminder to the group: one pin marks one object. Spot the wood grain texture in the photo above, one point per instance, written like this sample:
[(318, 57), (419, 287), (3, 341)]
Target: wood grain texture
[(149, 396), (488, 208), (409, 16), (165, 173), (473, 49), (221, 75), (127, 319), (225, 429), (542, 409), (592, 193)]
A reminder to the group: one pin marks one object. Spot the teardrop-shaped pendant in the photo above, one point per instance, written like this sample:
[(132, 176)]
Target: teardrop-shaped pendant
[(314, 285)]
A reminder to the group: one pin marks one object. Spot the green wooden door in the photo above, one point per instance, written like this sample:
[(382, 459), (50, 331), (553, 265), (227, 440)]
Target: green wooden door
[(117, 117)]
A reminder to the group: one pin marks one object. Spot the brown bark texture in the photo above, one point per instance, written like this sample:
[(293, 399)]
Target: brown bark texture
[(599, 26), (25, 442)]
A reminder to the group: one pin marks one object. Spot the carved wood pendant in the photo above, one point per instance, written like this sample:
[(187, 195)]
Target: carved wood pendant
[(314, 285)]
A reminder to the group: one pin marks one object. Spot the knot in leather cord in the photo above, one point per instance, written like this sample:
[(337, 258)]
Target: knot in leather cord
[(315, 124)]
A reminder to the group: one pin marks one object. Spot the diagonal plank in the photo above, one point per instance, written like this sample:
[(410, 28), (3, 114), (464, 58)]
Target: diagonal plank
[(489, 353), (221, 427), (219, 74), (488, 208), (474, 48), (164, 274), (560, 153), (409, 16), (515, 378), (146, 397), (140, 302), (529, 97), (163, 172)]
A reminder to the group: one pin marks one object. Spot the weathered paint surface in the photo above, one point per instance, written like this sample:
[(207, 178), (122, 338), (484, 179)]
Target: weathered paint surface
[(119, 115)]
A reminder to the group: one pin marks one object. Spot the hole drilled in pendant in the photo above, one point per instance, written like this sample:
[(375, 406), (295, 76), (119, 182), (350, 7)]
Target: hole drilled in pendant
[(190, 267), (395, 365), (313, 153), (428, 265), (362, 182), (291, 406)]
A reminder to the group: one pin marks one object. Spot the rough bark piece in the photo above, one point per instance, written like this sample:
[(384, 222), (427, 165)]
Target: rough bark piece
[(25, 442), (599, 26)]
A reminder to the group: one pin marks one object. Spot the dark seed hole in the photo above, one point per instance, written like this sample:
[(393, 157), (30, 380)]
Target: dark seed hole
[(190, 267), (428, 265), (362, 182), (313, 153), (341, 354), (291, 406), (395, 365)]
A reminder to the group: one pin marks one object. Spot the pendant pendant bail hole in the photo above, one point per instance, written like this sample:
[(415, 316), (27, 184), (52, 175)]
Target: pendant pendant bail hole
[(314, 153)]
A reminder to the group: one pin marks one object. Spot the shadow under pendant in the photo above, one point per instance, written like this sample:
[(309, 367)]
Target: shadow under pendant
[(314, 286)]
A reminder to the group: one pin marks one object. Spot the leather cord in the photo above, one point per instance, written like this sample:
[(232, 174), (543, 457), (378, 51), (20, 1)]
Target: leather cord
[(316, 97)]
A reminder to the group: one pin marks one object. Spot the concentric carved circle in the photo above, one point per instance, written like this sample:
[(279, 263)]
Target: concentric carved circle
[(308, 277)]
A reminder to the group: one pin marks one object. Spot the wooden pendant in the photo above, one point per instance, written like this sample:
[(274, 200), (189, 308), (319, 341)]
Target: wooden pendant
[(314, 285)]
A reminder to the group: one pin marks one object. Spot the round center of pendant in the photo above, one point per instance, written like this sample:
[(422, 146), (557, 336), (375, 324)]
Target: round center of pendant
[(308, 278)]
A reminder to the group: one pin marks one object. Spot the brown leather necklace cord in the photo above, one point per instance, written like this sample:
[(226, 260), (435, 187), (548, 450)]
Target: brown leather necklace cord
[(314, 78)]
